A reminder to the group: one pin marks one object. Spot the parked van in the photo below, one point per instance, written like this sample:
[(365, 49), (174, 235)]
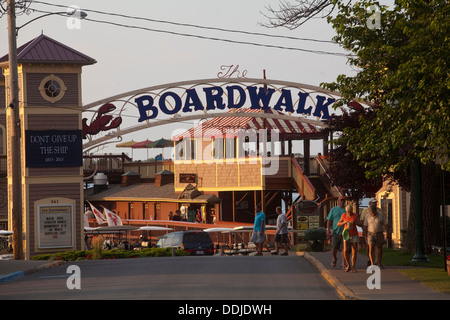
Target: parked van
[(194, 242)]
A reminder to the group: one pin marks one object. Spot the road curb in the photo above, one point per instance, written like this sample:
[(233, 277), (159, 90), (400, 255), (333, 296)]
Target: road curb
[(12, 276), (20, 274), (341, 289)]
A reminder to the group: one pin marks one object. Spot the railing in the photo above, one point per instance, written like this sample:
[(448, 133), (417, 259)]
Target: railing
[(104, 163), (303, 185), (327, 179)]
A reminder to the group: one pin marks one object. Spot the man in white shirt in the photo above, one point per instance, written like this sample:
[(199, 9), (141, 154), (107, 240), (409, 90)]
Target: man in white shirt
[(374, 226), (282, 233)]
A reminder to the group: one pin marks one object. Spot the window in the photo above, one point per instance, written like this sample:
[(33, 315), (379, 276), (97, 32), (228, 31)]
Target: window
[(217, 148), (190, 149), (185, 149), (230, 148), (52, 88)]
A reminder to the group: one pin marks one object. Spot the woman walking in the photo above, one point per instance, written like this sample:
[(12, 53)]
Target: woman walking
[(349, 220)]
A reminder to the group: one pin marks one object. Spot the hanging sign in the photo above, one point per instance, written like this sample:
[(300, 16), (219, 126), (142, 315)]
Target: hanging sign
[(233, 97)]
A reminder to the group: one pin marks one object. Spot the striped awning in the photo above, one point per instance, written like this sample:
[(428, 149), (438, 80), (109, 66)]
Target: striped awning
[(241, 125)]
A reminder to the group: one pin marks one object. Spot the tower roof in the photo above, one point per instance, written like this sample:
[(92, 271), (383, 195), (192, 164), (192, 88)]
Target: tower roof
[(44, 49)]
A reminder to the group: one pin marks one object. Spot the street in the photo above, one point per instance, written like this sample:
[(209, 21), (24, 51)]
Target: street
[(176, 278)]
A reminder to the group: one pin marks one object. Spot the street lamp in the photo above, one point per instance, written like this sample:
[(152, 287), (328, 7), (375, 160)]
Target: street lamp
[(70, 12), (13, 127)]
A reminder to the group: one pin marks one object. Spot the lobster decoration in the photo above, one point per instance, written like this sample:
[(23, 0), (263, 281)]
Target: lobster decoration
[(102, 122)]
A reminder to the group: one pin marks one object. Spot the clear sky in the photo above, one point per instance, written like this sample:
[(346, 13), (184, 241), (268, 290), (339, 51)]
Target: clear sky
[(129, 59)]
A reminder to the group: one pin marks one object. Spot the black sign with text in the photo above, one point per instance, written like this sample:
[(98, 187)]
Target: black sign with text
[(53, 148)]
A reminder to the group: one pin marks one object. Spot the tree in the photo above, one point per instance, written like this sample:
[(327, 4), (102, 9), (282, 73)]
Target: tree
[(402, 62), (403, 73), (344, 170)]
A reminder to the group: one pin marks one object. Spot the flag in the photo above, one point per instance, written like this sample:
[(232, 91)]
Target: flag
[(113, 219), (98, 215)]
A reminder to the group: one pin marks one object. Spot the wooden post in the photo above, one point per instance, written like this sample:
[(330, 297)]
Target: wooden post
[(14, 127)]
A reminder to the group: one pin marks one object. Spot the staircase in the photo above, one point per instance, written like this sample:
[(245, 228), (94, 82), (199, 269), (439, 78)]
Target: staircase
[(321, 191), (316, 187)]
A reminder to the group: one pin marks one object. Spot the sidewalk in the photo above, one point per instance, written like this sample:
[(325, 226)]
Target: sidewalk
[(13, 269), (352, 286)]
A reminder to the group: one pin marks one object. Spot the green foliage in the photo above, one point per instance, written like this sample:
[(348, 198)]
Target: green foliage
[(110, 254), (315, 234), (402, 72)]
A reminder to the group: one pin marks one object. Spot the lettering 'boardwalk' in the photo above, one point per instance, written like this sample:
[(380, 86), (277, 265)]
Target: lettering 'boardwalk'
[(235, 97)]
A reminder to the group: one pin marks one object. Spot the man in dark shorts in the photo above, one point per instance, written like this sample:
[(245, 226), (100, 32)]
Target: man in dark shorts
[(282, 233), (334, 231)]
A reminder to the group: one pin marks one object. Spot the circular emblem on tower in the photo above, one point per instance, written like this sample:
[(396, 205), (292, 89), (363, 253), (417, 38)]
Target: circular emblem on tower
[(52, 88)]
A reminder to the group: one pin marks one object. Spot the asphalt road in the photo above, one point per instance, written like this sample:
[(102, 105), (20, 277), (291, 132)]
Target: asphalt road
[(177, 278)]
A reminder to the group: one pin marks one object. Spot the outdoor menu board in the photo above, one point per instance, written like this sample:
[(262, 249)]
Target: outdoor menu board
[(307, 215), (55, 226)]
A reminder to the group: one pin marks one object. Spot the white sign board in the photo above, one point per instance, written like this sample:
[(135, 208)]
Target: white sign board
[(55, 226)]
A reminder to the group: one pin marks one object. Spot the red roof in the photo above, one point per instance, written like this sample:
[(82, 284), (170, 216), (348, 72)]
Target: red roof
[(233, 126), (47, 50)]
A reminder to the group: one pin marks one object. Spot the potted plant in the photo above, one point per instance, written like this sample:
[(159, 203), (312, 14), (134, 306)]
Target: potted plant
[(317, 236)]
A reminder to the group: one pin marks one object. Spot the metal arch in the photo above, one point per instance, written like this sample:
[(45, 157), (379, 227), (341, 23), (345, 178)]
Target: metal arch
[(177, 118), (200, 116), (209, 81)]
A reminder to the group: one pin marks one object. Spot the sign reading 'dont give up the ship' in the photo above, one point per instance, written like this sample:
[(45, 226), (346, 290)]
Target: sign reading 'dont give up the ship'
[(233, 97)]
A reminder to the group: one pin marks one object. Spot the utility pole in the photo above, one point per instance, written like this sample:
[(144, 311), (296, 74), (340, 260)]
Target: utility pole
[(13, 133)]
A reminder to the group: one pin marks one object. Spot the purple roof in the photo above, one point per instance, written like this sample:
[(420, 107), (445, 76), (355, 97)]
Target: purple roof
[(47, 50)]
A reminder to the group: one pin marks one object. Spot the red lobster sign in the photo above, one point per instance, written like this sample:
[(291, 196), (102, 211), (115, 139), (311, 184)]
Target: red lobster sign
[(103, 121)]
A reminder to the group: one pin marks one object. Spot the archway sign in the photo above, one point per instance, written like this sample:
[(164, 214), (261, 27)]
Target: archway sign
[(203, 99)]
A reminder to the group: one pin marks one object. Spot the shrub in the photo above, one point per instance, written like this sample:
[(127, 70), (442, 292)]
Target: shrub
[(110, 254), (316, 235)]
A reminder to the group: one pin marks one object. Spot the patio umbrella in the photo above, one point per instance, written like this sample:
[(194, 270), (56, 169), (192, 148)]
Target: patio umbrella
[(153, 228), (150, 228), (161, 143), (142, 145), (127, 144), (218, 230)]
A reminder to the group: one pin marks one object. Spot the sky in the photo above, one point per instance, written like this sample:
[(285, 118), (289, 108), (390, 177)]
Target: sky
[(130, 59)]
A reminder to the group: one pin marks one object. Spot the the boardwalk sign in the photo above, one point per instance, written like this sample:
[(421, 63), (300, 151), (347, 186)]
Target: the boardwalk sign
[(203, 99)]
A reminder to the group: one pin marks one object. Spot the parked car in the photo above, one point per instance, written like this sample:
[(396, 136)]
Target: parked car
[(194, 242)]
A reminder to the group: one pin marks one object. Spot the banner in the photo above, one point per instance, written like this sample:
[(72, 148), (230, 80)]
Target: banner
[(113, 219), (98, 215)]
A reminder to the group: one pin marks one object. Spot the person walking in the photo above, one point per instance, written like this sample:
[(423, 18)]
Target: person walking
[(372, 207), (334, 232), (259, 229), (350, 220), (282, 233), (374, 225)]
